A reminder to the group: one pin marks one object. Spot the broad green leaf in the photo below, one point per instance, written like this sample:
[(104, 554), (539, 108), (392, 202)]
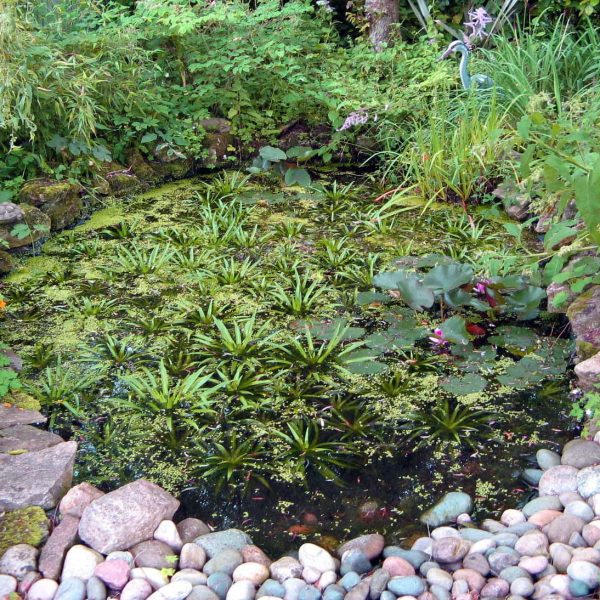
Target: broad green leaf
[(508, 336), (297, 176), (470, 383), (411, 289), (559, 232), (272, 154), (454, 330), (444, 278), (148, 137)]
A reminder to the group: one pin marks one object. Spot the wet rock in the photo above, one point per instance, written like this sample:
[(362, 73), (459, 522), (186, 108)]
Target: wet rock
[(532, 543), (449, 550), (586, 572), (202, 592), (474, 580), (95, 589), (547, 459), (192, 557), (541, 503), (81, 562), (219, 583), (50, 472), (406, 586), (286, 568), (113, 573), (167, 533), (155, 577), (588, 481), (38, 225), (447, 509), (62, 538), (225, 561), (254, 572), (355, 560), (532, 476), (378, 584), (125, 517), (155, 554), (588, 374), (60, 200), (178, 590), (19, 560), (26, 437), (399, 567), (580, 509), (229, 539), (44, 589), (558, 480), (136, 589), (71, 588), (371, 545), (78, 498), (253, 553), (562, 528), (189, 529), (311, 555)]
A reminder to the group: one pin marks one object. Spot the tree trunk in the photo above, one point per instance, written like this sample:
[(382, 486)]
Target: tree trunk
[(382, 16)]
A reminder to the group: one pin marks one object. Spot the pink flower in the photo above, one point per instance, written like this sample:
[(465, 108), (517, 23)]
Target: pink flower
[(438, 337)]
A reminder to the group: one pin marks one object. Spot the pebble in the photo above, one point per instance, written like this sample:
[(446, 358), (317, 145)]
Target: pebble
[(482, 546), (286, 567), (500, 559), (475, 580), (474, 535), (511, 517), (506, 539), (309, 592), (423, 544), (19, 560), (522, 586), (406, 586), (241, 590), (532, 543), (586, 572), (30, 578), (532, 476), (439, 593), (562, 528), (578, 588), (8, 585), (424, 568), (544, 517), (225, 561), (192, 557), (292, 588), (547, 459), (371, 545), (588, 482), (154, 577), (415, 557), (378, 584), (311, 555), (441, 532), (349, 580), (580, 509), (95, 589), (253, 553), (189, 529), (561, 556), (155, 554), (253, 572), (167, 532), (271, 588), (355, 560), (580, 453), (495, 588), (310, 575), (136, 589), (589, 554), (397, 566), (193, 576), (219, 583), (202, 592), (81, 562), (557, 480), (478, 563), (327, 578), (71, 588), (439, 577), (114, 573), (511, 573), (43, 589), (541, 503), (177, 590), (122, 555), (533, 564), (449, 550), (460, 587), (336, 592)]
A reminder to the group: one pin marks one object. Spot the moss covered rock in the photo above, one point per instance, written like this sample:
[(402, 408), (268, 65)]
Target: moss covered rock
[(217, 141), (60, 200), (584, 315), (37, 222), (7, 263), (23, 526), (115, 179), (21, 400), (142, 169), (170, 165)]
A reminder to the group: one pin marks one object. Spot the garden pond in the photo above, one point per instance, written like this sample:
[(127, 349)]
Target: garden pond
[(237, 344)]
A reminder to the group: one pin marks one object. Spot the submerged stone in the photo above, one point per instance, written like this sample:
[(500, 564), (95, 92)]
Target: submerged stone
[(447, 509)]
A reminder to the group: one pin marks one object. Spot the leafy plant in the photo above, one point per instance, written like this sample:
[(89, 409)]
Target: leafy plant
[(282, 162)]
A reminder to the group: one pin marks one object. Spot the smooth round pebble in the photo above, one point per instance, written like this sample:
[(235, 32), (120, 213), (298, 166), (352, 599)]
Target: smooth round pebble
[(167, 532), (254, 572), (406, 586), (241, 590), (95, 589), (193, 576), (522, 586), (311, 555), (71, 588), (511, 516), (439, 577), (8, 585), (44, 589), (136, 589), (176, 590), (219, 583), (192, 557), (398, 567)]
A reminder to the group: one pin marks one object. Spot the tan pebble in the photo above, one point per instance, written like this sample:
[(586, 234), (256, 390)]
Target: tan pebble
[(542, 518), (254, 572), (397, 566), (475, 580)]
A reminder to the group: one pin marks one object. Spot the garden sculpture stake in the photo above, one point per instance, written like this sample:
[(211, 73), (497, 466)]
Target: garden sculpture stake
[(478, 81)]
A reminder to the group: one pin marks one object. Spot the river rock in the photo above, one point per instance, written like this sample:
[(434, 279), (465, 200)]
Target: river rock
[(398, 567), (495, 588), (229, 539), (478, 563), (349, 580), (219, 583), (588, 481), (436, 576), (447, 509), (506, 539), (8, 585), (532, 543), (155, 554), (534, 565), (378, 583), (586, 572), (81, 562), (415, 557), (591, 533), (95, 589), (308, 592), (125, 517), (241, 590), (557, 480), (177, 590), (501, 558), (310, 575), (532, 476), (113, 573), (43, 589), (441, 532), (541, 503), (522, 586), (49, 474), (355, 560), (254, 572), (155, 577), (136, 589), (60, 200), (293, 586), (588, 371), (512, 516), (562, 528), (202, 592), (167, 533), (38, 227), (544, 517), (286, 568), (547, 459), (189, 529), (254, 554), (358, 592), (194, 576), (336, 592), (327, 578), (225, 561), (62, 538), (475, 580), (406, 586), (78, 498), (311, 555), (122, 555), (19, 560), (192, 557), (371, 545), (71, 588), (449, 550), (580, 453)]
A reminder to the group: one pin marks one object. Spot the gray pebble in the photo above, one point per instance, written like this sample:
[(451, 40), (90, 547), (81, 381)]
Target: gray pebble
[(309, 592), (219, 583), (334, 592), (96, 590), (349, 580), (271, 588), (71, 588)]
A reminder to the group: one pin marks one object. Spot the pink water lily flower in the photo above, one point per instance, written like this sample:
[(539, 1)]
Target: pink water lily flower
[(438, 337)]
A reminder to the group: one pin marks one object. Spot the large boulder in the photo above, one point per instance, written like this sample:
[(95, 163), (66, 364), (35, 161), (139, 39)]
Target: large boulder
[(588, 373), (60, 200), (38, 224), (10, 416), (26, 438), (38, 478), (125, 517)]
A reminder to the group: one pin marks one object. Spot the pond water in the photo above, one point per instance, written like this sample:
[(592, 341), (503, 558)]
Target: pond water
[(226, 340)]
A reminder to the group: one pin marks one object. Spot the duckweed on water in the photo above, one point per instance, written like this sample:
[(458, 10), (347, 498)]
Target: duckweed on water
[(227, 335)]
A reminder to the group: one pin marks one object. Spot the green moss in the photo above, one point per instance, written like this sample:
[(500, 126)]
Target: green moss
[(111, 215), (23, 526), (22, 400), (34, 267)]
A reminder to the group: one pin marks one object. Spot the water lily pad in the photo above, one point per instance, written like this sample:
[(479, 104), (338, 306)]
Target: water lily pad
[(454, 330), (445, 278), (364, 298), (511, 336), (409, 286), (325, 330), (467, 384)]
